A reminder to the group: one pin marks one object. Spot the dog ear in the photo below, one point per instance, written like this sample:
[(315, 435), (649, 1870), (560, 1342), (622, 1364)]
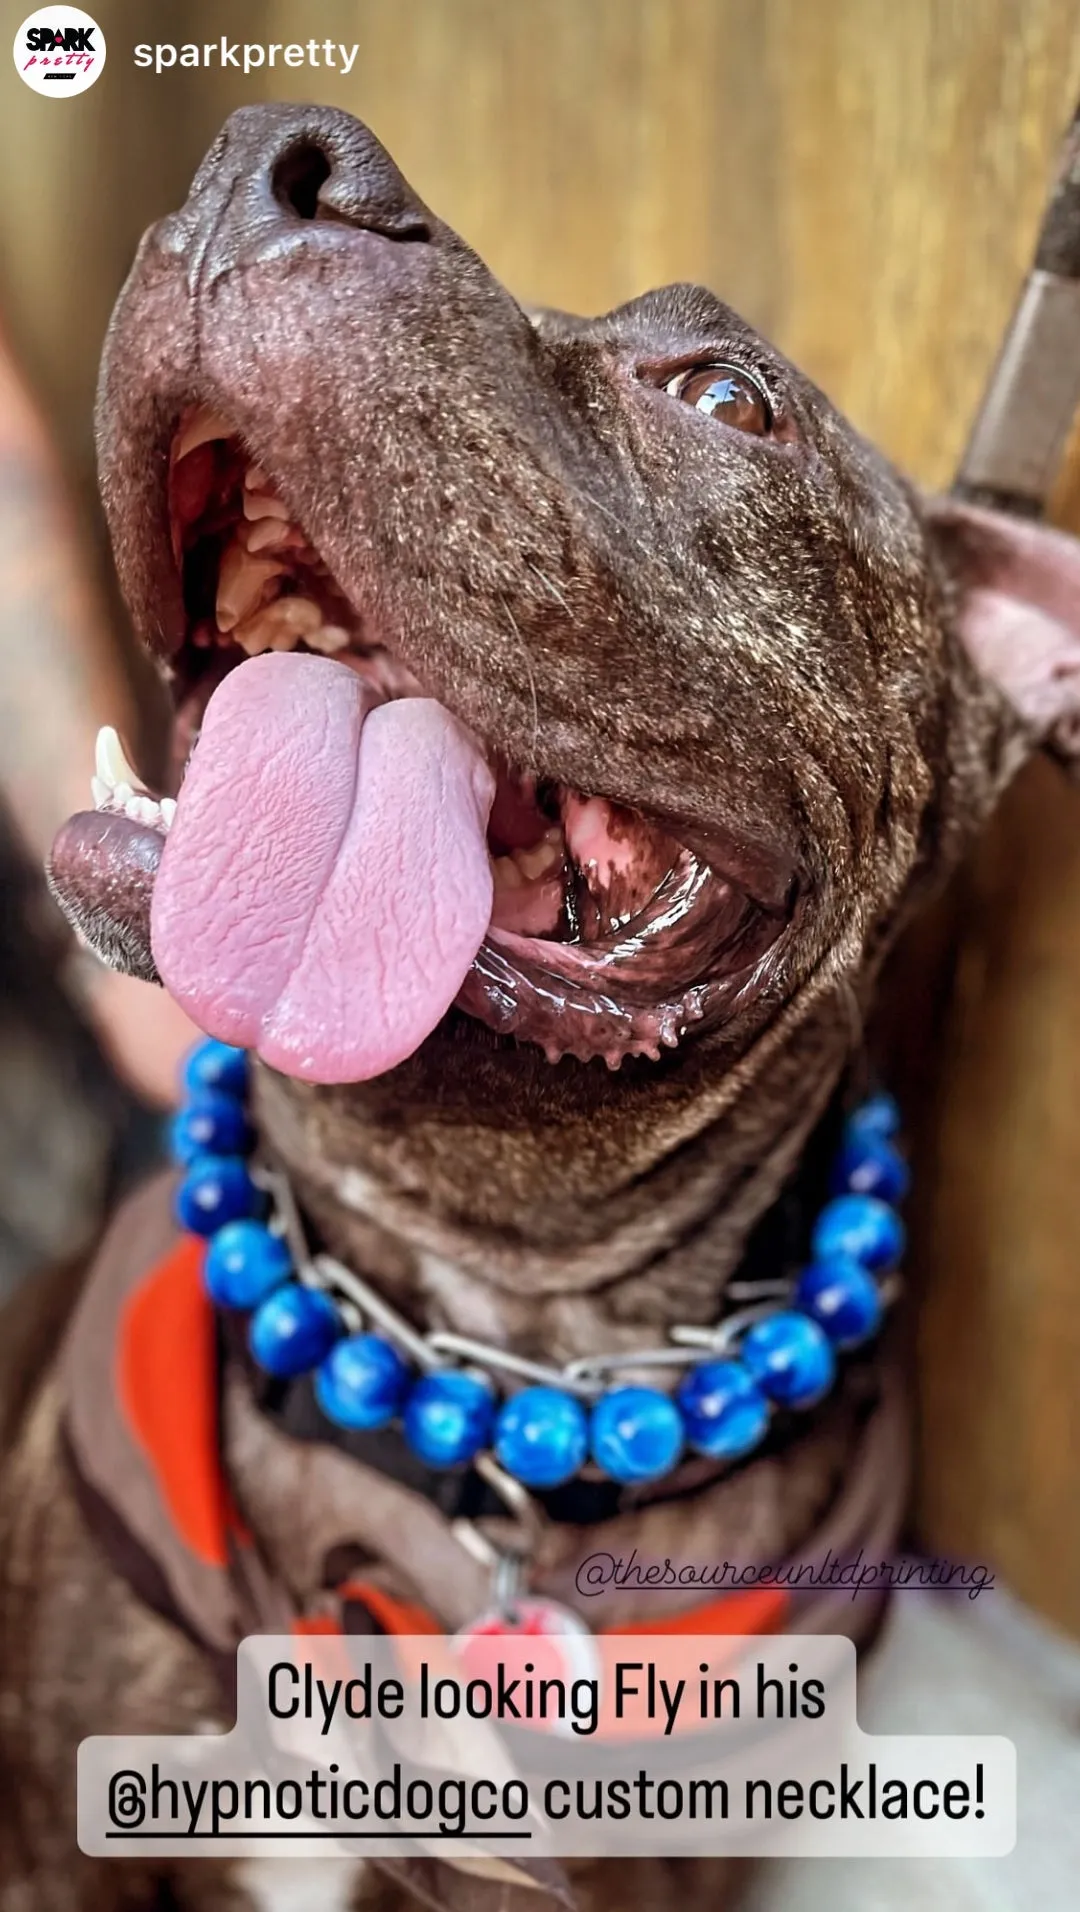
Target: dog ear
[(1017, 595)]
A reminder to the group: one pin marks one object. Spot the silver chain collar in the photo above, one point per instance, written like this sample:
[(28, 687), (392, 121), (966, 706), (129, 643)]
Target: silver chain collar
[(362, 1307)]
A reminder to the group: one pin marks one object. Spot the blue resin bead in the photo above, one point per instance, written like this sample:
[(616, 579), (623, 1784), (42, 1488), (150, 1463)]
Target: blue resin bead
[(869, 1165), (216, 1065), (362, 1382), (843, 1298), (293, 1330), (859, 1228), (215, 1190), (636, 1433), (245, 1262), (723, 1408), (210, 1124), (878, 1115), (541, 1436), (448, 1417), (790, 1357)]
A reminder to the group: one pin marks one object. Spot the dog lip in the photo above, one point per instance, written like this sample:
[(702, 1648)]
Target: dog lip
[(149, 575), (323, 235), (766, 873)]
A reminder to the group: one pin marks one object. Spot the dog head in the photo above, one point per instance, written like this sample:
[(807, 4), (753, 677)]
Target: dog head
[(568, 693)]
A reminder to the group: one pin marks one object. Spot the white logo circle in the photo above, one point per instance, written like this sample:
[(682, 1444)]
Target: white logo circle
[(59, 51)]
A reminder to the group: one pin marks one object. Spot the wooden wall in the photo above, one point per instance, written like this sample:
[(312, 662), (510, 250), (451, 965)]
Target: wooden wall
[(863, 178)]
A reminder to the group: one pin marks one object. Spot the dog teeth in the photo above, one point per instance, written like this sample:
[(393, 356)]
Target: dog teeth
[(263, 504), (542, 858), (242, 583), (329, 639), (110, 762), (506, 874), (269, 534), (523, 867), (115, 786), (201, 426), (125, 802), (278, 626)]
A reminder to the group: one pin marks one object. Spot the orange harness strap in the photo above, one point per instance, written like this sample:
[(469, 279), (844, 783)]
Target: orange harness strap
[(166, 1383)]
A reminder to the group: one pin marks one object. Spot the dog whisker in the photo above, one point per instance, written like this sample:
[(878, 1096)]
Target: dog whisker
[(550, 587)]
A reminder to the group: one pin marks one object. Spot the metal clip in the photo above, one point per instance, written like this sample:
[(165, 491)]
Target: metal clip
[(719, 1339), (508, 1561), (507, 1580)]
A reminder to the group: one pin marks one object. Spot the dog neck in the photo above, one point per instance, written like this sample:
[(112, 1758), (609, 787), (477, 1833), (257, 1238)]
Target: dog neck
[(732, 1191), (588, 1217)]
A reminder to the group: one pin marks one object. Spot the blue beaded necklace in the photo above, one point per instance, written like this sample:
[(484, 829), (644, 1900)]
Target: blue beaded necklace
[(310, 1314)]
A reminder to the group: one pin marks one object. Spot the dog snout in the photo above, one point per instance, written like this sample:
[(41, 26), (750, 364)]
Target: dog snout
[(275, 171)]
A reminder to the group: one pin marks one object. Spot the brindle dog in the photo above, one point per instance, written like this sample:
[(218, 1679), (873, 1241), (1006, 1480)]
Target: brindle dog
[(642, 560)]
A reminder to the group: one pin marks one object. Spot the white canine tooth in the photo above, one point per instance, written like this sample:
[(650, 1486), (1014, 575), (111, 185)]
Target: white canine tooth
[(328, 639), (201, 426), (109, 760), (123, 793), (167, 806), (100, 791)]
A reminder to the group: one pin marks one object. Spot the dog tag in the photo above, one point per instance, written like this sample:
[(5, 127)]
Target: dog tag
[(532, 1615), (560, 1645)]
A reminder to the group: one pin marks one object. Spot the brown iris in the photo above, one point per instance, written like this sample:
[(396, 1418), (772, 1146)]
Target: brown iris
[(723, 392)]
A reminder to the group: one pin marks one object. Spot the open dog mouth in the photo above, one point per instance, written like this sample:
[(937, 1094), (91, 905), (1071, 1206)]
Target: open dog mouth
[(339, 860)]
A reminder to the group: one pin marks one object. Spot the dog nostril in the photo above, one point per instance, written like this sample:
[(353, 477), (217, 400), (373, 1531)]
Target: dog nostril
[(332, 170), (299, 177)]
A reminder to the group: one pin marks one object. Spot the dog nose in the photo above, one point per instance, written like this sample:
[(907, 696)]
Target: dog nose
[(275, 170)]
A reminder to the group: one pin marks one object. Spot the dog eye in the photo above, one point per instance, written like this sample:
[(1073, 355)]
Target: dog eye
[(721, 391)]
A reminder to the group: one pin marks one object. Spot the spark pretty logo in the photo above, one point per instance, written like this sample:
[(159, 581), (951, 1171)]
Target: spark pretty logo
[(59, 51)]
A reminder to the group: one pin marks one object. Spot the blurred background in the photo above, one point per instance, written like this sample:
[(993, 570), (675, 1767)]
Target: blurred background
[(863, 179)]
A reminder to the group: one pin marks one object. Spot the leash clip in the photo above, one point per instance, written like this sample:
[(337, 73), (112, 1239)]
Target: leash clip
[(507, 1581), (508, 1561), (513, 1610), (507, 1567)]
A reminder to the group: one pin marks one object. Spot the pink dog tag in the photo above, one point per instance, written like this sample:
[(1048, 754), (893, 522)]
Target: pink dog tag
[(560, 1645)]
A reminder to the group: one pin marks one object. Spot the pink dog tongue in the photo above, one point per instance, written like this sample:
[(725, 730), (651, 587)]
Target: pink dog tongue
[(325, 884)]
